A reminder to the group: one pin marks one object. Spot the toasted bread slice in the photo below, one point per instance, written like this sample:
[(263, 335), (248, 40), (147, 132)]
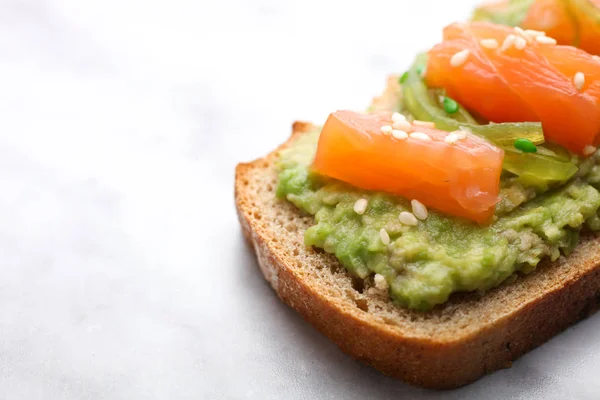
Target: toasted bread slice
[(454, 344)]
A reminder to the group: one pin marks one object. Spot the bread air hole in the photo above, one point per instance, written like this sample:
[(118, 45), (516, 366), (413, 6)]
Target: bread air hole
[(361, 303), (358, 284)]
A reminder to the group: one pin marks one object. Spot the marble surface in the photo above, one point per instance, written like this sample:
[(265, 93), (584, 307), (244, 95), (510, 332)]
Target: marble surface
[(124, 274)]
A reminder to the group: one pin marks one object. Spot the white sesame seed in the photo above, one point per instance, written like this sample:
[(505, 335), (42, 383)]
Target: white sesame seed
[(459, 58), (398, 134), (386, 129), (380, 282), (455, 136), (589, 150), (519, 30), (425, 124), (451, 138), (360, 206), (384, 236), (579, 80), (545, 40), (508, 42), (402, 126), (489, 43), (419, 136), (397, 117), (520, 43), (530, 35), (528, 38), (419, 209), (408, 218), (534, 33)]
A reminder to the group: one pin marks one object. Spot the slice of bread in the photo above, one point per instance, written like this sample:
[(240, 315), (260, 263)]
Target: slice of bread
[(456, 343)]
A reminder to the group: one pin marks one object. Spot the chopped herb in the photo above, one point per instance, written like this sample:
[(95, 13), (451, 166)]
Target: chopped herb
[(525, 145), (450, 106)]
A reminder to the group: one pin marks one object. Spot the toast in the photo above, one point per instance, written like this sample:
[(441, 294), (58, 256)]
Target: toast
[(456, 343)]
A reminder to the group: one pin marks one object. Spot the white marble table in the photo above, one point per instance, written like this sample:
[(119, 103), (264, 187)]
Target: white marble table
[(123, 271)]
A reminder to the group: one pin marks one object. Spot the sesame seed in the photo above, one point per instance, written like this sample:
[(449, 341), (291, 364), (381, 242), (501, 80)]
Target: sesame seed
[(528, 38), (459, 58), (398, 134), (545, 40), (534, 33), (397, 117), (384, 236), (451, 138), (419, 209), (455, 136), (386, 129), (420, 136), (402, 126), (408, 218), (508, 42), (530, 35), (589, 150), (380, 282), (596, 58), (520, 43), (425, 124), (360, 206), (489, 43), (579, 80)]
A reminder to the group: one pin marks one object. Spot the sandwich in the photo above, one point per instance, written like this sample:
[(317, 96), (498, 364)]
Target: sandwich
[(451, 227)]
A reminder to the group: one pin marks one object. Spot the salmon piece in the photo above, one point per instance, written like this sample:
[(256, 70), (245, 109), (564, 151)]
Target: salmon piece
[(552, 17), (461, 179), (587, 15), (570, 22), (535, 83), (504, 106), (570, 61)]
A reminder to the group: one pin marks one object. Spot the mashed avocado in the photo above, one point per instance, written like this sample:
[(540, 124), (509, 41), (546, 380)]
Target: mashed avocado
[(424, 264)]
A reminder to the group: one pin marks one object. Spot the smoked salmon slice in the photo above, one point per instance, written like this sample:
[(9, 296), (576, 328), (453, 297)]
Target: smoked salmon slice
[(570, 22), (553, 17), (508, 75), (457, 173)]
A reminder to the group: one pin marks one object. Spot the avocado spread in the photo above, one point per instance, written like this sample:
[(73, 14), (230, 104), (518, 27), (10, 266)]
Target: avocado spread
[(426, 263)]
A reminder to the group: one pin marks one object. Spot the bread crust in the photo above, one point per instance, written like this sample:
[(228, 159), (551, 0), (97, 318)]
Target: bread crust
[(450, 346)]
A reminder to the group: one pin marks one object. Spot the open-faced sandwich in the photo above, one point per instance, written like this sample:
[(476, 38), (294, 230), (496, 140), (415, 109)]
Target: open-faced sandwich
[(449, 229)]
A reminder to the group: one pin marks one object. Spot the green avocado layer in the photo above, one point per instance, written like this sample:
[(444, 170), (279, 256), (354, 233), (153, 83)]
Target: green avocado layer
[(426, 263)]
